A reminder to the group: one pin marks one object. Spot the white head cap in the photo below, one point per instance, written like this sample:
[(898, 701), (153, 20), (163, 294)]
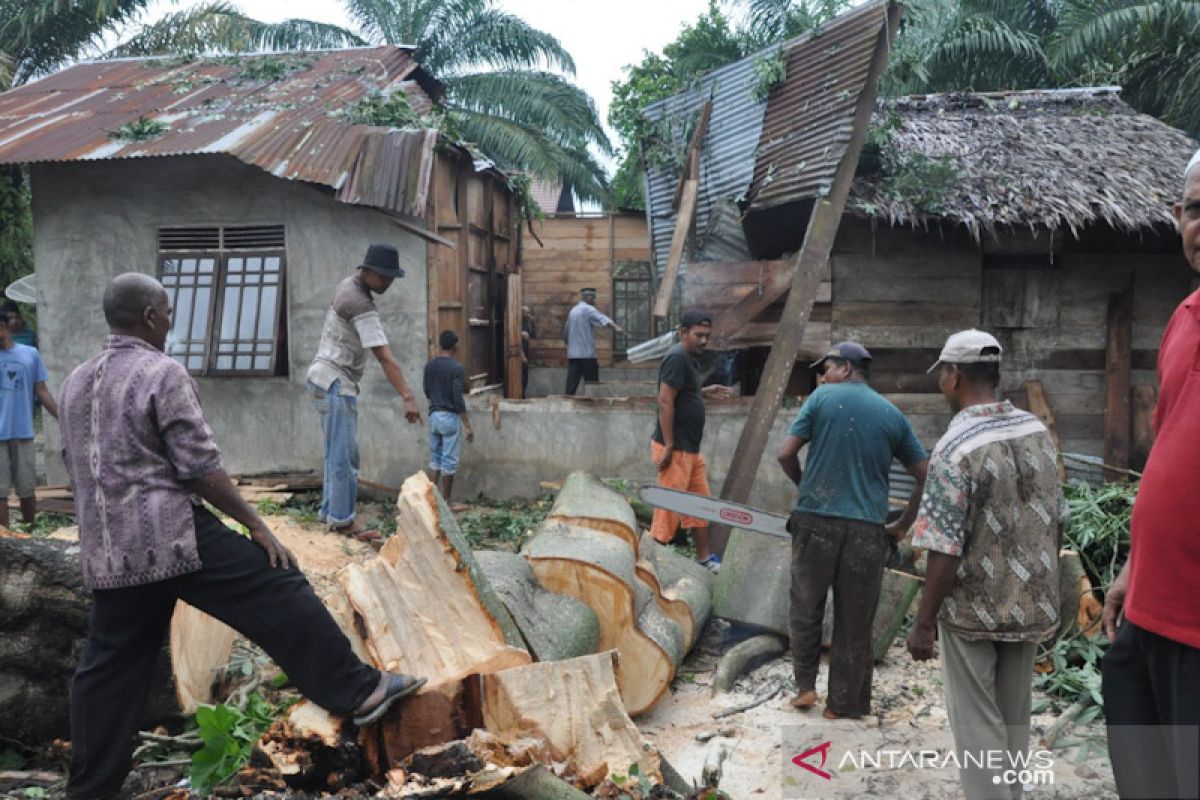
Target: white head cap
[(1195, 160), (969, 347)]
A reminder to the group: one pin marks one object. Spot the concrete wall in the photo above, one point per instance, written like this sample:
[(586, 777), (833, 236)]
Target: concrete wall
[(95, 220), (545, 439)]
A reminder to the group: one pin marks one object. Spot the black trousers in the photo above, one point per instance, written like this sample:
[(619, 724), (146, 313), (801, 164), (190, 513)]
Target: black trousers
[(581, 369), (274, 608), (1152, 707), (847, 555)]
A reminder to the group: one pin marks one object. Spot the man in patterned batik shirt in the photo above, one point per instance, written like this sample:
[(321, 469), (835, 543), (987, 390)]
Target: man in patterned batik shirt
[(991, 519)]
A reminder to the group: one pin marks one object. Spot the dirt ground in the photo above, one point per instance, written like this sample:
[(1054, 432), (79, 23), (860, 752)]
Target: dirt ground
[(909, 715)]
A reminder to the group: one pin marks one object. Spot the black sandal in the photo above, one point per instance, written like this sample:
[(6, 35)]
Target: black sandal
[(399, 687)]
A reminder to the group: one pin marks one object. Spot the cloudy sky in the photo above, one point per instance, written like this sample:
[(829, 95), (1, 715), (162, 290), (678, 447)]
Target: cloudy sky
[(601, 37)]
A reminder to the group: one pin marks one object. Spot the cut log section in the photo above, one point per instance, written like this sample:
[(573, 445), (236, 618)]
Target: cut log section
[(424, 607), (555, 627), (586, 502), (575, 707), (200, 649), (598, 568), (684, 588), (895, 599), (1079, 608), (752, 587)]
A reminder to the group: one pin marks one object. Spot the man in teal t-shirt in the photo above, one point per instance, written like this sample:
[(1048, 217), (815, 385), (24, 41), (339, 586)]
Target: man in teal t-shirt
[(838, 534)]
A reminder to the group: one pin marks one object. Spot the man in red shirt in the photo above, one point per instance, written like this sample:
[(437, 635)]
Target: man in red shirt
[(1152, 670)]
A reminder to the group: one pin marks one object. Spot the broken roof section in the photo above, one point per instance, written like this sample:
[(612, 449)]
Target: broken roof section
[(281, 112), (1065, 158), (781, 150)]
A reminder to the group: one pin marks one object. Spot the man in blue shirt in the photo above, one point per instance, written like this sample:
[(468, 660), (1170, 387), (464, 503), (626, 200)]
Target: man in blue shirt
[(838, 534), (580, 336), (22, 379)]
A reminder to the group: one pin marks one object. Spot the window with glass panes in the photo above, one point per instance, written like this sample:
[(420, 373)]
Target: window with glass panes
[(226, 287)]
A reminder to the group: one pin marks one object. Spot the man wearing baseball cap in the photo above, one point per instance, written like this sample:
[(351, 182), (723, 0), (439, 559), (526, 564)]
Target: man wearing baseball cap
[(991, 519), (352, 328), (838, 534), (580, 335)]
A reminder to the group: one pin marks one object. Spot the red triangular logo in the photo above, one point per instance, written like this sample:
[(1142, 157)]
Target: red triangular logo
[(823, 749)]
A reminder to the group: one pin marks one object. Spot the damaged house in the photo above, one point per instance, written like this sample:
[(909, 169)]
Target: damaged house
[(1043, 217), (249, 186)]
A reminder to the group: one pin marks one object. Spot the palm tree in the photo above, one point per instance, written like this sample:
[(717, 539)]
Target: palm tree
[(505, 90)]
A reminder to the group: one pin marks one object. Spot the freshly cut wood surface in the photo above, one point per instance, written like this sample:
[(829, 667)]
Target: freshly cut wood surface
[(684, 588), (424, 606), (575, 706), (554, 626), (585, 501), (200, 648), (598, 569)]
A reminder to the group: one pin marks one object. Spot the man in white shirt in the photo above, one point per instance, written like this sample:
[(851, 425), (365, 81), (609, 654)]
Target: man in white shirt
[(580, 335)]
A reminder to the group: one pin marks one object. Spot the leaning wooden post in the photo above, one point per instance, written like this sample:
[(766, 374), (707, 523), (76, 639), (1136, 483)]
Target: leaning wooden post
[(1118, 373), (809, 265)]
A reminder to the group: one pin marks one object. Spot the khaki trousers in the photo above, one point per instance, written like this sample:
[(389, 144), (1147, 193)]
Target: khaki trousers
[(989, 688)]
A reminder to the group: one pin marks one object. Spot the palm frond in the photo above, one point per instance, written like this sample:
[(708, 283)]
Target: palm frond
[(543, 100), (39, 36), (492, 38), (219, 27)]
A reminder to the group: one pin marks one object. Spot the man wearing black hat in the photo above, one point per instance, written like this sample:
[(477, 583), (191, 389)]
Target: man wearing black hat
[(580, 335), (838, 534), (352, 327)]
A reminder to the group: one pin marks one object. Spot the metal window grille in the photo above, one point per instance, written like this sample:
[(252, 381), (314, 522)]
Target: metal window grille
[(226, 287), (632, 304)]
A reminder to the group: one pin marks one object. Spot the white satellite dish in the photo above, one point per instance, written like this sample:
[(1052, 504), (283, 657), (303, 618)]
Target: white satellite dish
[(23, 290)]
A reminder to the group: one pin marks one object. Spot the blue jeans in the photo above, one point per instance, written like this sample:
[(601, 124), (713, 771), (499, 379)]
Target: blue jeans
[(445, 441), (339, 421)]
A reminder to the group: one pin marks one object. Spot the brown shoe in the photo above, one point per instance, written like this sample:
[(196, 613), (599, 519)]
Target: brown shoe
[(804, 701)]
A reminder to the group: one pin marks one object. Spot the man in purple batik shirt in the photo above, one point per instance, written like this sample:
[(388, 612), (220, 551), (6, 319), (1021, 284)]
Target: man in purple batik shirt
[(141, 457)]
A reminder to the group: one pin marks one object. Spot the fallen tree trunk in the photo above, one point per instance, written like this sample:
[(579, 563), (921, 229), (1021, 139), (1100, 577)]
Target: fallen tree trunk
[(895, 599), (684, 588), (554, 626), (44, 612), (585, 501), (586, 725), (1079, 607), (598, 568), (752, 587), (745, 656), (200, 648)]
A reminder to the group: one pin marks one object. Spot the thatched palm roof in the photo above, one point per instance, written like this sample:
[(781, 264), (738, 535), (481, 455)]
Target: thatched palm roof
[(1051, 159)]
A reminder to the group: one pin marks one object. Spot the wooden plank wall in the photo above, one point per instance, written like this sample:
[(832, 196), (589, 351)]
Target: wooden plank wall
[(467, 284), (575, 252), (901, 292)]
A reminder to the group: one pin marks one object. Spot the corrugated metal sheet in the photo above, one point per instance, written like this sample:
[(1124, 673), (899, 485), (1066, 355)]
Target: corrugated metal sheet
[(287, 124), (765, 154), (809, 118), (726, 155)]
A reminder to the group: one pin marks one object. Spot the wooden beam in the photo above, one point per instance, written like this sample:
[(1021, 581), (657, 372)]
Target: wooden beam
[(775, 284), (1118, 375), (691, 164), (512, 338), (683, 224), (424, 233), (1039, 406), (810, 265), (433, 270), (1144, 400)]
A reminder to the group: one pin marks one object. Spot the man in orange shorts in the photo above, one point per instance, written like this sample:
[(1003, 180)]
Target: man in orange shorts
[(675, 446)]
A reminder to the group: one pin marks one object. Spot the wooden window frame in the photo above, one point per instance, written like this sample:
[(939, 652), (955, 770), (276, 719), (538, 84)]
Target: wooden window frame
[(214, 346)]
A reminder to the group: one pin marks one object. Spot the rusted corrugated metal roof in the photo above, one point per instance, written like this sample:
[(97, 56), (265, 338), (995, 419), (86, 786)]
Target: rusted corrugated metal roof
[(280, 112), (810, 116), (788, 148)]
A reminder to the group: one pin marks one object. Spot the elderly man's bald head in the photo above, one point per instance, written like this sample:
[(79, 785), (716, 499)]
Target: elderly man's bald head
[(128, 296)]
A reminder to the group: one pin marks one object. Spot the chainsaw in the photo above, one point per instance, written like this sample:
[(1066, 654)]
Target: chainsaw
[(714, 509)]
